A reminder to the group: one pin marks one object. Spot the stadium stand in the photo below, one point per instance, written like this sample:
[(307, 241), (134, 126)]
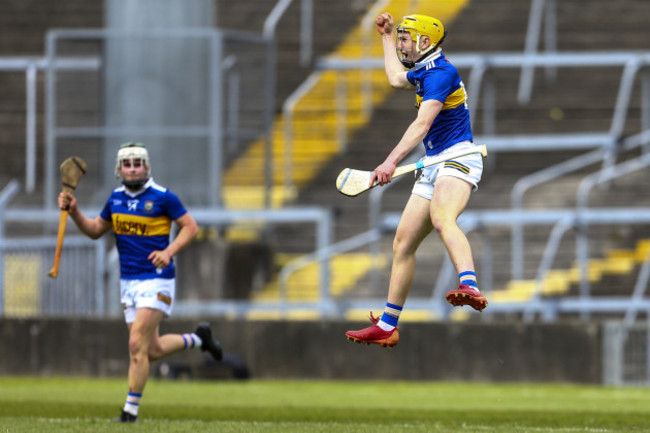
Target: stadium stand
[(576, 100)]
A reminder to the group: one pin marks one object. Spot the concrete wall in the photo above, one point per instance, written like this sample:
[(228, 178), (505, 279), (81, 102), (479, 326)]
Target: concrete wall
[(427, 351)]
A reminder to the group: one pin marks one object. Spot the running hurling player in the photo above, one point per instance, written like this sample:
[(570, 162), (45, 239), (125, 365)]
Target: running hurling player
[(442, 191), (141, 212)]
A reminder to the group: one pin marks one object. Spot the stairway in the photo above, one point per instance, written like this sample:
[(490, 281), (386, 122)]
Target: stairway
[(316, 146), (558, 282), (314, 125), (577, 101)]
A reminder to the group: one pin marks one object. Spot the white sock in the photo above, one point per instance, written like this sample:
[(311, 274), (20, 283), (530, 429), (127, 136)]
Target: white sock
[(385, 326), (132, 403), (191, 340)]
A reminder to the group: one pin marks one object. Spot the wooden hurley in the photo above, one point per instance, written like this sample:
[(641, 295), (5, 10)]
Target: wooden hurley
[(353, 182), (72, 170)]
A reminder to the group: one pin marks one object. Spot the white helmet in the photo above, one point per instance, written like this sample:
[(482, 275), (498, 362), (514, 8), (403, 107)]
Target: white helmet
[(132, 150)]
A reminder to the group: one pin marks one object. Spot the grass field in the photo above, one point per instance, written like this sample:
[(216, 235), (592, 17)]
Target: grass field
[(83, 405)]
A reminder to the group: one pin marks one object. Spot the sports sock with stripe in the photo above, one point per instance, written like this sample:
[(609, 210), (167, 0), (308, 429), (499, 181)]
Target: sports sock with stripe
[(191, 340), (468, 278), (132, 403), (389, 319)]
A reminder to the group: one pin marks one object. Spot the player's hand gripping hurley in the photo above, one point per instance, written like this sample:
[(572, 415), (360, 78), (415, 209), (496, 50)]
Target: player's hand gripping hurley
[(353, 182), (72, 169)]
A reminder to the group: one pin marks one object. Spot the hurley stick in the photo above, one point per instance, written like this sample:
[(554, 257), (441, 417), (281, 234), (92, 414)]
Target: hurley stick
[(72, 169), (353, 182)]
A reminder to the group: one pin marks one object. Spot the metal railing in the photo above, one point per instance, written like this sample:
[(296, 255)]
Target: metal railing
[(626, 353), (470, 221), (320, 217), (212, 131), (24, 288), (306, 26), (540, 10), (479, 64), (31, 66), (546, 175)]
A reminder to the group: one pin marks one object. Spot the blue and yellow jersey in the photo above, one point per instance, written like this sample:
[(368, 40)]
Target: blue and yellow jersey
[(142, 224), (436, 78)]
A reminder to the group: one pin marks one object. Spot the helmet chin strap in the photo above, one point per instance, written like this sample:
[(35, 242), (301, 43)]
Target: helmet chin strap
[(410, 64)]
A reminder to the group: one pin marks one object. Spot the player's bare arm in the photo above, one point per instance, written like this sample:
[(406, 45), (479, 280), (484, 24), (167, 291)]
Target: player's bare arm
[(188, 231), (413, 135), (395, 71), (93, 228)]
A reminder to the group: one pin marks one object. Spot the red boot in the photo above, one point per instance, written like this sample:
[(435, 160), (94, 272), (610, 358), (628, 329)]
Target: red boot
[(374, 334), (467, 295)]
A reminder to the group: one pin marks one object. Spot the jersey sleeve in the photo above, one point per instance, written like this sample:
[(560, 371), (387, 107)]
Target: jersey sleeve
[(175, 208), (437, 85), (106, 212), (410, 77)]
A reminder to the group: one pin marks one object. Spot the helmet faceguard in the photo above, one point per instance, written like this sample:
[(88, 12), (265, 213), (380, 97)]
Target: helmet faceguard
[(418, 26), (132, 151)]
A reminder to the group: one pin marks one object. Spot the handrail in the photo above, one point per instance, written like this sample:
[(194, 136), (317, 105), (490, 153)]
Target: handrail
[(582, 199), (274, 17), (367, 26), (524, 184), (637, 293), (530, 47), (288, 109), (321, 217), (550, 173), (306, 26), (561, 219), (550, 250), (481, 63), (322, 255), (535, 18), (31, 65)]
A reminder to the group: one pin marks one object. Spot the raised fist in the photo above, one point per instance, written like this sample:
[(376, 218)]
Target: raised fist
[(384, 23)]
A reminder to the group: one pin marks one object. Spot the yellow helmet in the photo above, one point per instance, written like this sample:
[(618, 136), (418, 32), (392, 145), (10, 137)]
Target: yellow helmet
[(418, 26)]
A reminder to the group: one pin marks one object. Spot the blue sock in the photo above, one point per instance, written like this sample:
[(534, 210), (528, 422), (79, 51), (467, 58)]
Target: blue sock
[(389, 319), (468, 278)]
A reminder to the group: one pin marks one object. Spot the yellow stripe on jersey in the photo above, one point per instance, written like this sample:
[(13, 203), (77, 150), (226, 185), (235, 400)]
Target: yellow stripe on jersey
[(456, 99), (125, 224), (418, 101)]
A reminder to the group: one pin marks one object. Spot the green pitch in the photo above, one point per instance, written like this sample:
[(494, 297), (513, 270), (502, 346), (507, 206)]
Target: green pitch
[(83, 405)]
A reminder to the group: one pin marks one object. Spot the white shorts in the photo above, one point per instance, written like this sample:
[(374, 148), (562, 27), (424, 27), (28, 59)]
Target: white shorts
[(157, 293), (469, 168)]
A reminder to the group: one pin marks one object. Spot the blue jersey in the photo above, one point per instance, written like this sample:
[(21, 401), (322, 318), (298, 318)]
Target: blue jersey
[(142, 224), (436, 78)]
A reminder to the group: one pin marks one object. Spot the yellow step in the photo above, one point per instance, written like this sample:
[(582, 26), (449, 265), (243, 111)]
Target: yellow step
[(303, 285), (406, 315)]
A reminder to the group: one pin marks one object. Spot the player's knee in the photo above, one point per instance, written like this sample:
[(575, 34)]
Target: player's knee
[(441, 221), (402, 246), (137, 346)]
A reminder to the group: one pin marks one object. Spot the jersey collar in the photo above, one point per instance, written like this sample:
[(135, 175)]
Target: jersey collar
[(149, 183), (428, 59)]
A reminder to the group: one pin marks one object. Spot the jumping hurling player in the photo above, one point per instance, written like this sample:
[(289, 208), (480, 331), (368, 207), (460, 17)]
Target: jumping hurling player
[(442, 191), (140, 213)]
